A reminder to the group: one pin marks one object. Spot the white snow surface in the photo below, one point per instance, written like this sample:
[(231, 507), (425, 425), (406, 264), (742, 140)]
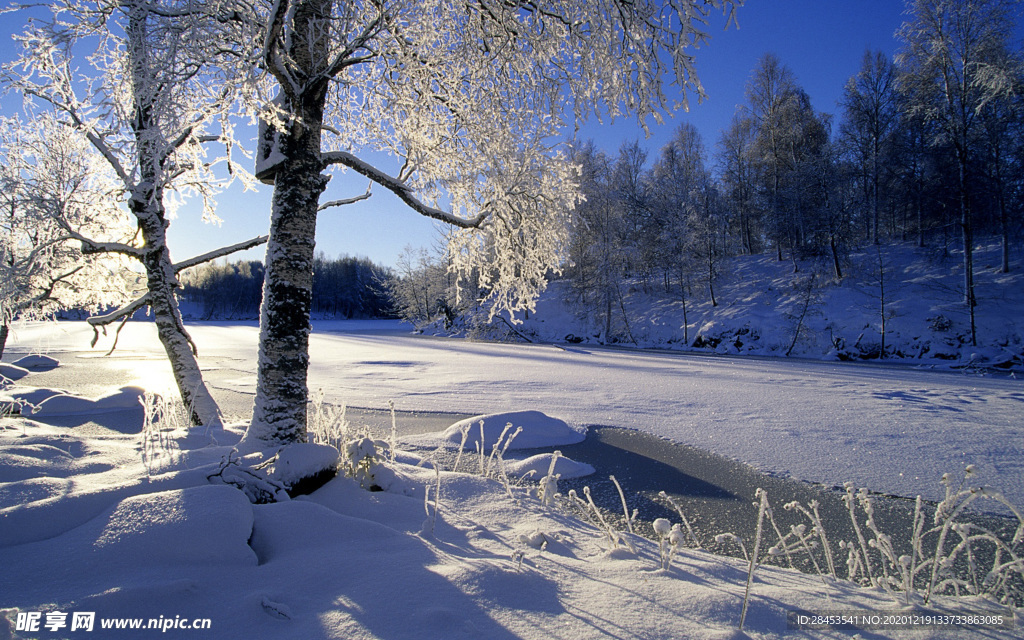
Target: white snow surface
[(85, 525)]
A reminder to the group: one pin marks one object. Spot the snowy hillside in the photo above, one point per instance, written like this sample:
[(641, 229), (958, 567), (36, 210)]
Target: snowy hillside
[(761, 302)]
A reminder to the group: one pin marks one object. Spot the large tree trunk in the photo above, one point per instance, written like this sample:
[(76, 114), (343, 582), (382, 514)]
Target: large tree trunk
[(279, 413)]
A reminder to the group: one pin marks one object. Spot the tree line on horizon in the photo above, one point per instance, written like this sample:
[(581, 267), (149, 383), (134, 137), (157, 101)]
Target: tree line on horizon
[(345, 287)]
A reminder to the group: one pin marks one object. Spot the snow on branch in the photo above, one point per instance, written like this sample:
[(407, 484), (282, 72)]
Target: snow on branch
[(90, 246), (219, 253), (346, 201), (401, 190), (112, 317)]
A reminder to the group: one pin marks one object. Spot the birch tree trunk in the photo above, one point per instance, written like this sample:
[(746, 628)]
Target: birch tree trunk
[(147, 204), (279, 413), (161, 282), (5, 330)]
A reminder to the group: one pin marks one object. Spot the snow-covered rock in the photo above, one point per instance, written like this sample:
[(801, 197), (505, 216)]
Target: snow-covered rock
[(37, 363), (536, 467), (303, 467), (538, 430)]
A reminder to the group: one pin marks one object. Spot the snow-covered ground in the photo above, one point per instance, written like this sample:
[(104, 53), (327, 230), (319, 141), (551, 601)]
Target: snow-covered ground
[(89, 523)]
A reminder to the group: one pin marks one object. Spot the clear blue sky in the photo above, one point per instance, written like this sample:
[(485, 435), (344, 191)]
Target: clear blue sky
[(822, 41)]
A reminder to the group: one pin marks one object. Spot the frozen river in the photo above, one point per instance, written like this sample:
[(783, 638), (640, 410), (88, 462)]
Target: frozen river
[(893, 429)]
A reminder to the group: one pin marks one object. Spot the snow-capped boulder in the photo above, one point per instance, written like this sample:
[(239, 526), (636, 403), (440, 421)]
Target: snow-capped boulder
[(304, 467), (538, 430), (37, 363), (536, 467)]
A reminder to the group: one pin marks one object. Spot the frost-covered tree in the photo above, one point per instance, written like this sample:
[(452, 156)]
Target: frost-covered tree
[(954, 62), (772, 93), (598, 243), (738, 177), (419, 289), (678, 181), (466, 100), (49, 181), (870, 118), (149, 84)]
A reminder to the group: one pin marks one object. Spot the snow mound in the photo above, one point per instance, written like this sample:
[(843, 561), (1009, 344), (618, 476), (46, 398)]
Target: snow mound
[(536, 467), (299, 528), (538, 430), (303, 467), (66, 405), (10, 373), (37, 363), (203, 525)]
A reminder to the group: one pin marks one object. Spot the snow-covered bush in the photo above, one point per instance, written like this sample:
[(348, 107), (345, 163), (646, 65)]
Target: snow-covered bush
[(362, 457)]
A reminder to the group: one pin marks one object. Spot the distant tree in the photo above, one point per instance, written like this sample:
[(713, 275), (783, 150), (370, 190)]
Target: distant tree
[(1002, 150), (420, 290), (597, 249), (789, 137), (771, 93), (870, 119), (230, 290), (739, 178), (687, 208), (954, 62)]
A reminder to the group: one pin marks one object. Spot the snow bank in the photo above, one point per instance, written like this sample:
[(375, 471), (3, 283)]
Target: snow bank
[(536, 467), (66, 404), (29, 395), (538, 430), (37, 363), (9, 373), (206, 525)]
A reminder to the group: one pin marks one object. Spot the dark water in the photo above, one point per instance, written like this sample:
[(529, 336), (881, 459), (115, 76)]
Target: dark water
[(717, 495)]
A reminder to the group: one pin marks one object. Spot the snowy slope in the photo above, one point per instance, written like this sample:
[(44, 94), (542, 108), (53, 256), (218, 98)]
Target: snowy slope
[(760, 303)]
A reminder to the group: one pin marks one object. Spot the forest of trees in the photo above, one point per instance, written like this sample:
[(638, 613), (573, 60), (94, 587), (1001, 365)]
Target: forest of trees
[(344, 287), (927, 148)]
